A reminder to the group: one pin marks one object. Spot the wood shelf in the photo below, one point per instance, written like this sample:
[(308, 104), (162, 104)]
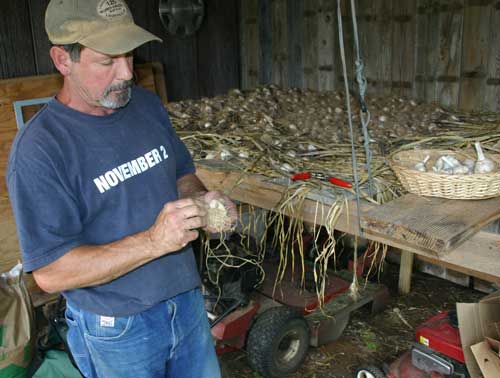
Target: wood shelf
[(478, 256)]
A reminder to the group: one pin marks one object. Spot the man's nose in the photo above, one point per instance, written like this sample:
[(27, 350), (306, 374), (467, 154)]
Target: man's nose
[(125, 69)]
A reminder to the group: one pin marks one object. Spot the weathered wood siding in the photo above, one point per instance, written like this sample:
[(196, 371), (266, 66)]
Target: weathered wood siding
[(206, 64), (445, 51)]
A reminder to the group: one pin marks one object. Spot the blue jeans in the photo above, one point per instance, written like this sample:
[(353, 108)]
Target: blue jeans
[(172, 339)]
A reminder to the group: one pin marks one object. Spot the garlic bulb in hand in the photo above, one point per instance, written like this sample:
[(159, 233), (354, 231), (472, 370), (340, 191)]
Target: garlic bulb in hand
[(483, 164)]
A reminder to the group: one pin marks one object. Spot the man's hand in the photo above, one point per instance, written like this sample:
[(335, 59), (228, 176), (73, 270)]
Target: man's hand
[(229, 205), (176, 226)]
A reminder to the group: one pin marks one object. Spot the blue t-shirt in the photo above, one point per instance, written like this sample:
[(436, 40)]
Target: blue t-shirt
[(78, 179)]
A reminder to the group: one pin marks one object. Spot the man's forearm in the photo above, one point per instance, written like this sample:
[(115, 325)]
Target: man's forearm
[(93, 265), (90, 265)]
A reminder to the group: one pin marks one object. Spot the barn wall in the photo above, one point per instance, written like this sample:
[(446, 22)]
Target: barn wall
[(206, 64), (446, 51)]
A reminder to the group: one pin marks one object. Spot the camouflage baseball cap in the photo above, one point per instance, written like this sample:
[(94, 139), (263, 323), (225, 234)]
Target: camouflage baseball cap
[(105, 26)]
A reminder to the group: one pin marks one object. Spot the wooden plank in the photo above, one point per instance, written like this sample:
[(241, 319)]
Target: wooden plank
[(478, 256), (492, 94), (279, 28), (217, 42), (266, 42), (295, 11), (249, 44), (432, 224), (16, 47), (326, 35), (41, 43), (405, 272), (450, 52), (384, 17), (9, 245), (474, 54), (368, 27), (403, 48), (348, 44), (431, 50), (420, 50), (310, 55)]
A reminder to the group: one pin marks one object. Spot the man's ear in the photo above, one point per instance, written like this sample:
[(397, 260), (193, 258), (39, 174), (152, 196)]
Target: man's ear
[(61, 60)]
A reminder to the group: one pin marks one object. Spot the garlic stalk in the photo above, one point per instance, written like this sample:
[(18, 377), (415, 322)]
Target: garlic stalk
[(483, 164), (420, 166)]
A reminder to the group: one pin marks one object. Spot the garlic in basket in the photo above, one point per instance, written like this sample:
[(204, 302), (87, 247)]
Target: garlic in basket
[(483, 164), (469, 163), (449, 165), (420, 166)]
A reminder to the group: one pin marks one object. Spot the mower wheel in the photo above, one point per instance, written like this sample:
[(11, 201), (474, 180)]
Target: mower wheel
[(370, 372), (278, 342)]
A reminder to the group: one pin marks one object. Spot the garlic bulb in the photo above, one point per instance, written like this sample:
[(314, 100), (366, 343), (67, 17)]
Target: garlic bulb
[(210, 155), (469, 163), (460, 170), (438, 165), (287, 167), (420, 166), (225, 154), (450, 162), (483, 164)]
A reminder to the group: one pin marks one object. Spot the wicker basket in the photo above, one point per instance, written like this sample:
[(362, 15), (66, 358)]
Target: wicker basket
[(474, 186)]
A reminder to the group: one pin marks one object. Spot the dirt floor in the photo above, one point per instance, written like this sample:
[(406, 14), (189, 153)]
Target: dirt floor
[(372, 339)]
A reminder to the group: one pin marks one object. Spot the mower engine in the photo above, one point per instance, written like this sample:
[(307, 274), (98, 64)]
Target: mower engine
[(437, 354)]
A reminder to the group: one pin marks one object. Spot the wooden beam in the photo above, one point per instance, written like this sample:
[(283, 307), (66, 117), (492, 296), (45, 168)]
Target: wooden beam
[(405, 272)]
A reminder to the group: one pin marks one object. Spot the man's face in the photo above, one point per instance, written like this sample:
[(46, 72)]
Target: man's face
[(103, 80)]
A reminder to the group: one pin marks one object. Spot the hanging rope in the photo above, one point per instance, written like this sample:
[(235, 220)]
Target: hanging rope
[(349, 115), (354, 288), (364, 113)]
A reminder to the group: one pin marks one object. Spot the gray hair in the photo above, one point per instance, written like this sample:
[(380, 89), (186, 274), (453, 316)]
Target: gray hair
[(74, 51)]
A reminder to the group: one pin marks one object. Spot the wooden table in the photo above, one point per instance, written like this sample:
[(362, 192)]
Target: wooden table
[(466, 250)]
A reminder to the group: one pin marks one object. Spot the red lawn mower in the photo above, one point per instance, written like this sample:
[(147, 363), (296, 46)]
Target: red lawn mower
[(276, 323), (437, 353)]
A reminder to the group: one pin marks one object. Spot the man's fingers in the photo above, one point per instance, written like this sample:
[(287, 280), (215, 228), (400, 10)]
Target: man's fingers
[(192, 211), (190, 236), (193, 223), (185, 202)]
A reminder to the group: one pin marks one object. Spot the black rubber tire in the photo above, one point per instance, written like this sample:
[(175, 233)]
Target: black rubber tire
[(369, 372), (278, 342)]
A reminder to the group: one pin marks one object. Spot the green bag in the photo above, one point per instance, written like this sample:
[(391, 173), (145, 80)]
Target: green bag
[(56, 364)]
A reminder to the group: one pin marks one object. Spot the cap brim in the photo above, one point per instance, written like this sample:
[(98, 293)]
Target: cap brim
[(119, 40)]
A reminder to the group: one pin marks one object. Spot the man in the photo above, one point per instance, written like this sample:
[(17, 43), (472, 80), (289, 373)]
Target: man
[(106, 203)]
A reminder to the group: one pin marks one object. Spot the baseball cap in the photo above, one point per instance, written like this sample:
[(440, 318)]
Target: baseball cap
[(106, 26)]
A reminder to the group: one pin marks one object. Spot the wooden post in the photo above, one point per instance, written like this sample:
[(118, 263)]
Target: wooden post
[(405, 271)]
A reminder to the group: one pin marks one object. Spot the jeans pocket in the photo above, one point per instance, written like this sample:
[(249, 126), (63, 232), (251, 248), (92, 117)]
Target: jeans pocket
[(106, 328), (76, 343)]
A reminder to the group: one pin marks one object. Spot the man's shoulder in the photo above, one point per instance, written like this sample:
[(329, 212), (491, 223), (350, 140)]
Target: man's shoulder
[(34, 128)]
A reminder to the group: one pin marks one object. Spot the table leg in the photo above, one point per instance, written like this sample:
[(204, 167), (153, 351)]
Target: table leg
[(405, 271)]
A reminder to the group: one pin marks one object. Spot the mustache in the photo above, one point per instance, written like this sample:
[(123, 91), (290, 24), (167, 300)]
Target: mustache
[(118, 87)]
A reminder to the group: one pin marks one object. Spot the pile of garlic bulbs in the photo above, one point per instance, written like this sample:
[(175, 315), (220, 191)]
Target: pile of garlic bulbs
[(450, 165)]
